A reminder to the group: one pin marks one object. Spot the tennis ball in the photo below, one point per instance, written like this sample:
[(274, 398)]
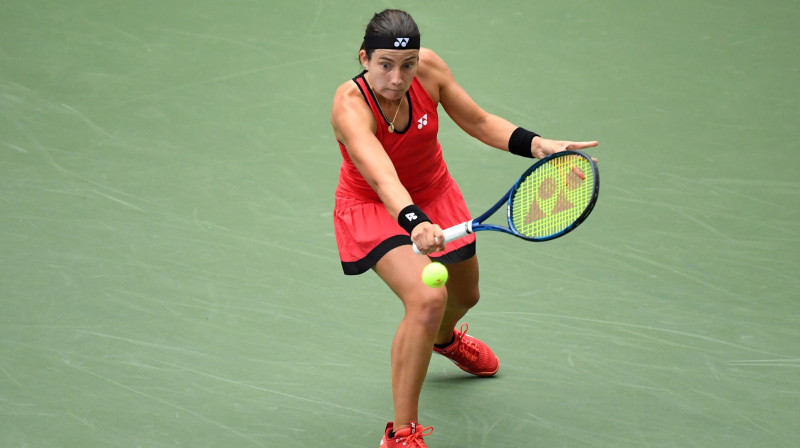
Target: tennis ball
[(434, 275)]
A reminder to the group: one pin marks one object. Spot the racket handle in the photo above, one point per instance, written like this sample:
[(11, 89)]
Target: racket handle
[(452, 233)]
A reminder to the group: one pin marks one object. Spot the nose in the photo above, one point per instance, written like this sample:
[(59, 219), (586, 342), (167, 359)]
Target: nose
[(396, 77)]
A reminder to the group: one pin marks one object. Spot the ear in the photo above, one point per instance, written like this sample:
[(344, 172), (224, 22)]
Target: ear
[(362, 56)]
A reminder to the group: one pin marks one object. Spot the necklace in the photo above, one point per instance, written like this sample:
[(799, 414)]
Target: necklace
[(391, 123), (399, 105)]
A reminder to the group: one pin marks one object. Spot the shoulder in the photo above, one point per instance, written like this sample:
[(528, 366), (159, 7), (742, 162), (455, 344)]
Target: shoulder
[(433, 73), (350, 109), (431, 62), (346, 93)]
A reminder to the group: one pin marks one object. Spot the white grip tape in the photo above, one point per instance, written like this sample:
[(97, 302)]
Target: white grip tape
[(452, 233)]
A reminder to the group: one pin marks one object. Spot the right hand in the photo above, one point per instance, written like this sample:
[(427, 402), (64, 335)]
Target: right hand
[(428, 237)]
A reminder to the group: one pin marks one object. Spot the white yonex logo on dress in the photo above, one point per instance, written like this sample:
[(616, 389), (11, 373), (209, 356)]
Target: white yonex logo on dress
[(422, 121), (411, 216), (401, 42)]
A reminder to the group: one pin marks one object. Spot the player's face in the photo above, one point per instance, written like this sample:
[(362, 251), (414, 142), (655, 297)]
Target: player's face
[(390, 72)]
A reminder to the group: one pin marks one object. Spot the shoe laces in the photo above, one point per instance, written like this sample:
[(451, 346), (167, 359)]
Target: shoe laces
[(415, 438), (466, 346)]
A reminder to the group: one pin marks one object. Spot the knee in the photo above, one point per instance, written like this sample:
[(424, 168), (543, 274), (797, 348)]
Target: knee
[(466, 297), (427, 306), (471, 297)]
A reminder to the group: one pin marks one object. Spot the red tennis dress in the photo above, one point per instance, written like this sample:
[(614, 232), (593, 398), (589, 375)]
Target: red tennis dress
[(365, 231)]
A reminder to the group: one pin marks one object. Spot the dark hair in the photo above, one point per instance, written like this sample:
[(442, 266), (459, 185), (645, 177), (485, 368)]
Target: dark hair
[(391, 23)]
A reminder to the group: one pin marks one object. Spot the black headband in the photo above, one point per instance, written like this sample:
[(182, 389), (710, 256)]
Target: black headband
[(391, 43)]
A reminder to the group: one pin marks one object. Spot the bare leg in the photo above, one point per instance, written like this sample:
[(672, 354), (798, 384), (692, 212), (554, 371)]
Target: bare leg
[(462, 294), (401, 270)]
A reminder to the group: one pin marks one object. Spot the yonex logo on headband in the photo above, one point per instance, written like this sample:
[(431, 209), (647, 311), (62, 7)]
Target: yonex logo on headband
[(391, 43)]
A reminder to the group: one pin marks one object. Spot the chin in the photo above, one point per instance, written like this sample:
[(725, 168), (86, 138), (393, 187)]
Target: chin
[(394, 95)]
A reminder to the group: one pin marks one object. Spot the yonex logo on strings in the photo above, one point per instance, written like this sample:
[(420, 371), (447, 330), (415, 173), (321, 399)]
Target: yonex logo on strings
[(554, 194), (401, 42)]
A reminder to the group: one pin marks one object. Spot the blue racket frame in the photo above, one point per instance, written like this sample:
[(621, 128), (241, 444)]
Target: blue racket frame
[(475, 225)]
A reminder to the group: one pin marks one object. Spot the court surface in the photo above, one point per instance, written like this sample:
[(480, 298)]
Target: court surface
[(169, 276)]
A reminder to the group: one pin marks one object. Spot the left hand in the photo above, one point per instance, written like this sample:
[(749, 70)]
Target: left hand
[(542, 147)]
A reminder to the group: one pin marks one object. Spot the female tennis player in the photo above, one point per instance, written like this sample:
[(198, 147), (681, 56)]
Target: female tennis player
[(394, 188)]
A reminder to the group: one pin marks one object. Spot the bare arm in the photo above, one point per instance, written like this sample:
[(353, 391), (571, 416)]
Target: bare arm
[(488, 128), (354, 126)]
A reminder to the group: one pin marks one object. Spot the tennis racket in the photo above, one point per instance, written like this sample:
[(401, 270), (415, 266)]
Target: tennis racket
[(549, 200)]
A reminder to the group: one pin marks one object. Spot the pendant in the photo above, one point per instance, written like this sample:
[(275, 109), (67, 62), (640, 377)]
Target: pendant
[(391, 127)]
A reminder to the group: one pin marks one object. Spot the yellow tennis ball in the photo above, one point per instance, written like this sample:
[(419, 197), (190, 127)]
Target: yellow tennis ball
[(434, 275)]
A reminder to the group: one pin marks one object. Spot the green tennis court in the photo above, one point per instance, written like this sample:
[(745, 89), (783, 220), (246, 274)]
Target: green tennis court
[(169, 275)]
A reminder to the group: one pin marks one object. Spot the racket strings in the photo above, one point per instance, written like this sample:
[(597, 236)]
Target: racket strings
[(552, 197)]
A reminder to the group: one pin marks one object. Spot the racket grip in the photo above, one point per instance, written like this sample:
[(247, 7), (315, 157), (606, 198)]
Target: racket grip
[(452, 233)]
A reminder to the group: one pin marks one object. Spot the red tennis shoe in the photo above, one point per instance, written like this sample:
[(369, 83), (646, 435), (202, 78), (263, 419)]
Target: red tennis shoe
[(406, 437), (470, 354)]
